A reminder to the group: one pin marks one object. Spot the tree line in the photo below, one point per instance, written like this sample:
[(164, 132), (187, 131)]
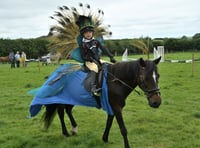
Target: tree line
[(170, 44), (32, 47), (40, 46)]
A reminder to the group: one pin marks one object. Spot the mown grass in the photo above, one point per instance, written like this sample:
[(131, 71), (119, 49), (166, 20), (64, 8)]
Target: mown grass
[(174, 124)]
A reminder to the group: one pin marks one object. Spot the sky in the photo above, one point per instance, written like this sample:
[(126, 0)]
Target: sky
[(128, 18)]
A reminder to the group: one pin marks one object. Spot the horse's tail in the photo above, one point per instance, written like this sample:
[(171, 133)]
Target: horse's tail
[(49, 115)]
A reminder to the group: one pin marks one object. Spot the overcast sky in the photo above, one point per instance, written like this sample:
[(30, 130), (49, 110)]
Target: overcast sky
[(128, 18)]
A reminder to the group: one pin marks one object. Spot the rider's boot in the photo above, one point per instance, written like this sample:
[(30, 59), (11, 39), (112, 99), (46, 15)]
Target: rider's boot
[(94, 90)]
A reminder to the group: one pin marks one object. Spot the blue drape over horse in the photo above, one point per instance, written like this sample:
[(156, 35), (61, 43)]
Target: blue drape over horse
[(65, 86)]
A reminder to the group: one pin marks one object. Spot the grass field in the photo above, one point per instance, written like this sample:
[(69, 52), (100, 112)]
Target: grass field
[(175, 124)]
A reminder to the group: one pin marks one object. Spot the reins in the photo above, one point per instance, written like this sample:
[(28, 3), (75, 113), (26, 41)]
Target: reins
[(122, 82)]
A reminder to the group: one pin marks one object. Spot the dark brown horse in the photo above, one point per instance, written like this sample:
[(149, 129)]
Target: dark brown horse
[(122, 78)]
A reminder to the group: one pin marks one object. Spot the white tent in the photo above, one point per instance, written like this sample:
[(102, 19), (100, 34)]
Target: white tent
[(125, 55)]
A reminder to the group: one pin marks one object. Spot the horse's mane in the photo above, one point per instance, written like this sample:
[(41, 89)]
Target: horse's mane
[(119, 69)]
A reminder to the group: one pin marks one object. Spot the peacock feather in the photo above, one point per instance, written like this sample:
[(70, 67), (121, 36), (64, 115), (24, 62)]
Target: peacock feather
[(63, 35)]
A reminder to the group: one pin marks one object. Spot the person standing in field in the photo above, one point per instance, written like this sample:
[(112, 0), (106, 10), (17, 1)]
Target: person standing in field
[(23, 59), (12, 59), (17, 59)]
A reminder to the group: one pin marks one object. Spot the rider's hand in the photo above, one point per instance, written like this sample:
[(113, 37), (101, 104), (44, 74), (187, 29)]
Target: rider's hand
[(112, 59)]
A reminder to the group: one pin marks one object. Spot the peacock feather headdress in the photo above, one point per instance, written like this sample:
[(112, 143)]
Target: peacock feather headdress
[(70, 22)]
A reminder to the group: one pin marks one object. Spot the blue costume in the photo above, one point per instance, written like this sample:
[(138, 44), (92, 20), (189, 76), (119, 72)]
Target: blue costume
[(65, 86)]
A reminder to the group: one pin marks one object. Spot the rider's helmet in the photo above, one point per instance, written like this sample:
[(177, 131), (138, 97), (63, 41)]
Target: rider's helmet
[(85, 23)]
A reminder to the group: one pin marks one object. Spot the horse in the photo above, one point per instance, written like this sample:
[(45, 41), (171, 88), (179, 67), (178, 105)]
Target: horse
[(122, 79), (4, 59)]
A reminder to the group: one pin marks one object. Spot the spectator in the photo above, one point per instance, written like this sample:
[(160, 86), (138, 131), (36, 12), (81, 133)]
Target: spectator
[(23, 59), (17, 59), (12, 59)]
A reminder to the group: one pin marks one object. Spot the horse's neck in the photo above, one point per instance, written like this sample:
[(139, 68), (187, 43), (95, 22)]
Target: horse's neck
[(126, 72)]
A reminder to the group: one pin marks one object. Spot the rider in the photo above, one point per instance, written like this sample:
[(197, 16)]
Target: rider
[(89, 48)]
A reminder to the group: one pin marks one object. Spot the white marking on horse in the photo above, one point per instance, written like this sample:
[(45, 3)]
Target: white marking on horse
[(154, 76), (74, 130)]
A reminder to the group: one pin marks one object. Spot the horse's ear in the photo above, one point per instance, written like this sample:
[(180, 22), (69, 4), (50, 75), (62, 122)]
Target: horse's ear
[(142, 62), (156, 61)]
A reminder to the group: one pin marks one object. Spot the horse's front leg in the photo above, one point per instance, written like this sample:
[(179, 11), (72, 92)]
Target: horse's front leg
[(60, 111), (68, 109), (107, 129), (120, 121)]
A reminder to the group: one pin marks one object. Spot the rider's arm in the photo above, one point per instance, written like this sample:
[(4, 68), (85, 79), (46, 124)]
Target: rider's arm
[(107, 52)]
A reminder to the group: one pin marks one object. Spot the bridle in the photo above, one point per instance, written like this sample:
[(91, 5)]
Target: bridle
[(141, 82)]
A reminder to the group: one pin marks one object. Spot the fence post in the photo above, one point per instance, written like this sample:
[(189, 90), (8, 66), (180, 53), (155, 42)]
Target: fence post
[(192, 65)]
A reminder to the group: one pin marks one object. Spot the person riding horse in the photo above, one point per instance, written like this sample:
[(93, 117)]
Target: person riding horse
[(89, 50), (64, 88)]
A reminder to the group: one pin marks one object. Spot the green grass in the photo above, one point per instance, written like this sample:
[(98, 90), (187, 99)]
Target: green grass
[(174, 124)]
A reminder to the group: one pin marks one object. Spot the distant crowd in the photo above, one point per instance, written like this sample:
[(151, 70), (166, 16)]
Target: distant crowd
[(17, 59)]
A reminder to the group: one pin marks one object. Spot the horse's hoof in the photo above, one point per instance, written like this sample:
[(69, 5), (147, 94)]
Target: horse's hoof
[(74, 130), (105, 140), (66, 135)]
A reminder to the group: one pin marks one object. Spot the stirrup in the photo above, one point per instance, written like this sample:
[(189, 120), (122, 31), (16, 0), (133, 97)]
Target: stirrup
[(96, 92)]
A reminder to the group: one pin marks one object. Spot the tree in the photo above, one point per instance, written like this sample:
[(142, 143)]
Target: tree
[(196, 36), (32, 47)]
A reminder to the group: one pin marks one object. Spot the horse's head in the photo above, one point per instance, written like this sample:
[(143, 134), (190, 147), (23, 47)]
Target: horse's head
[(148, 81)]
